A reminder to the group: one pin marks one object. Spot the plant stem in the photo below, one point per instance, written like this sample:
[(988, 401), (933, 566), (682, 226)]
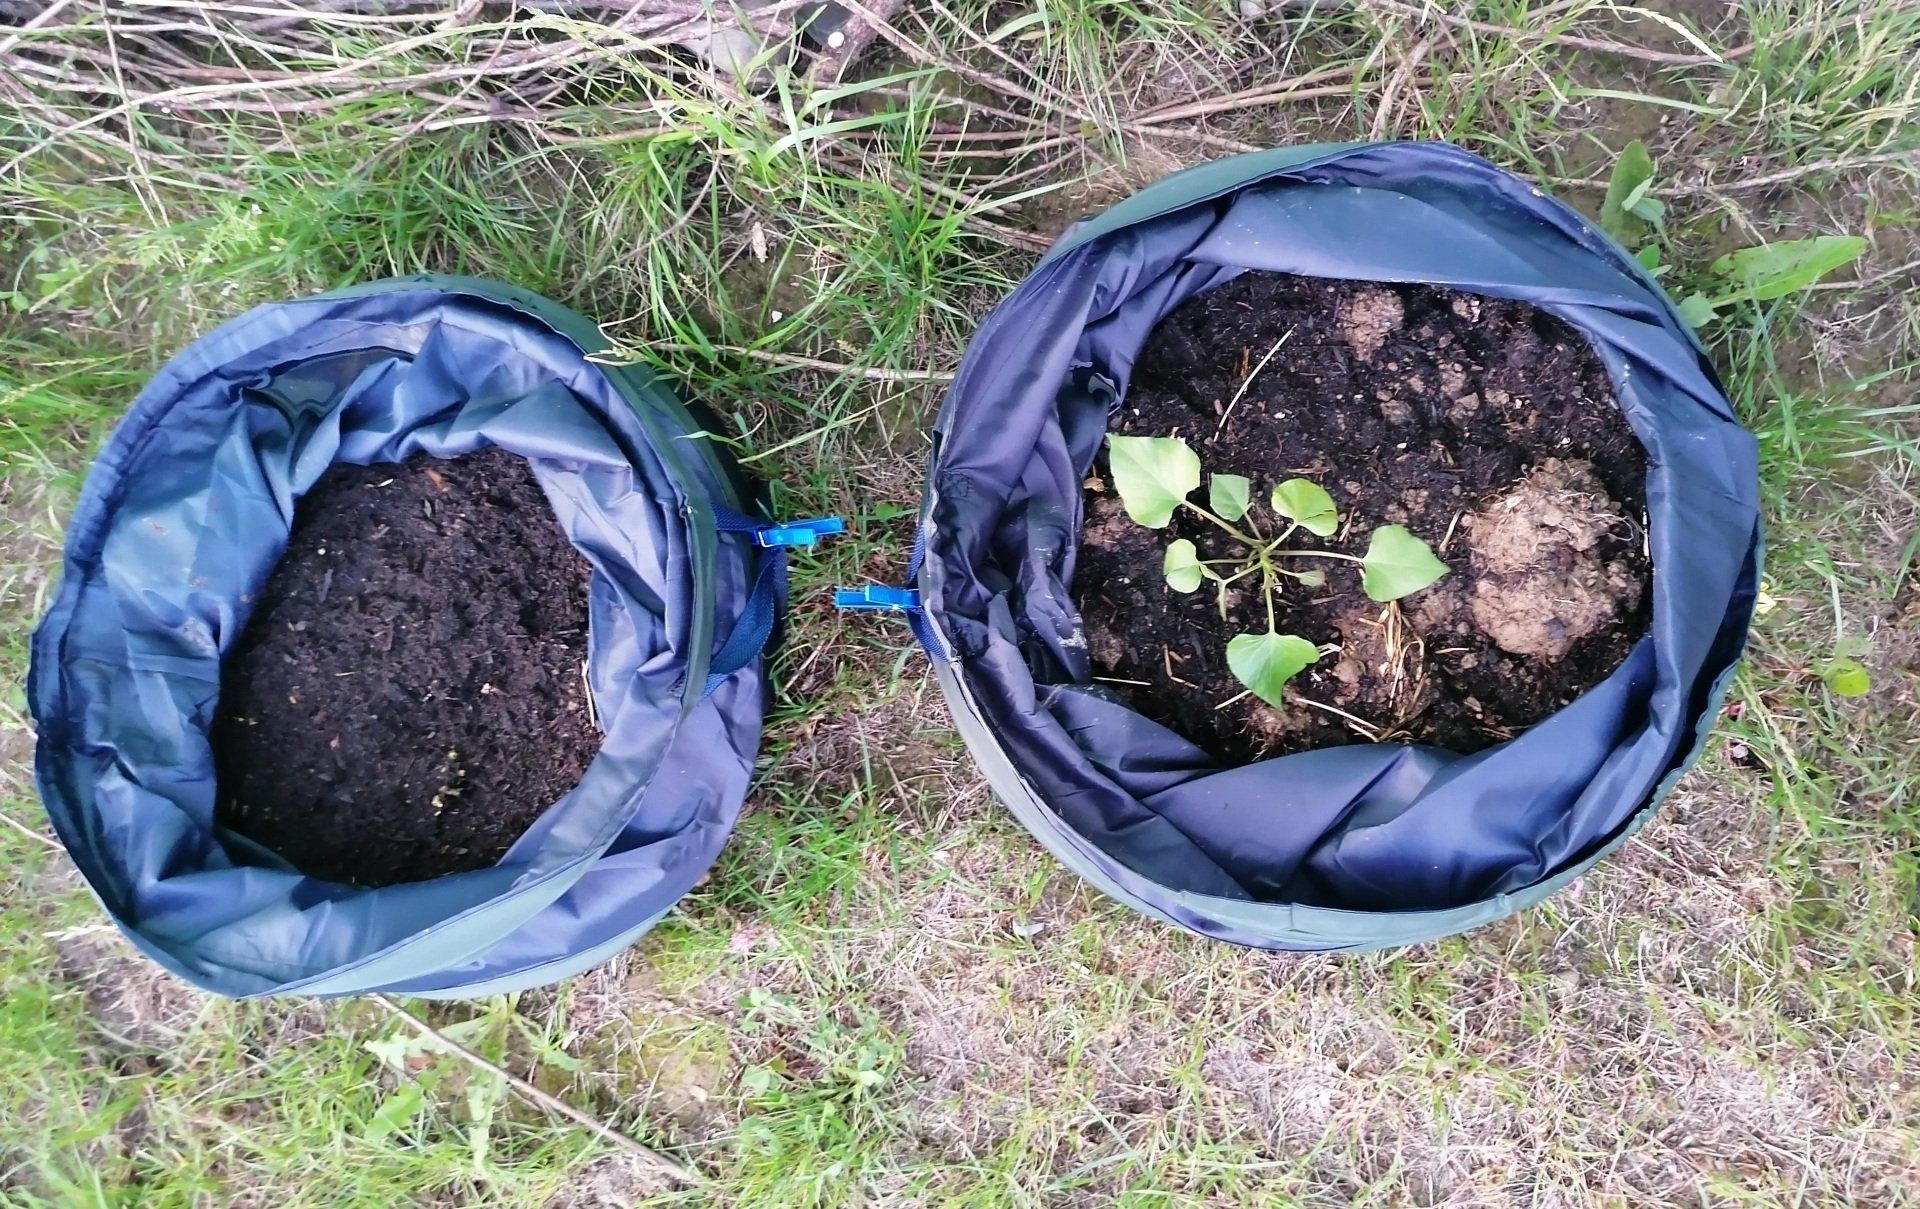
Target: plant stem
[(1266, 588), (1345, 558), (1243, 539)]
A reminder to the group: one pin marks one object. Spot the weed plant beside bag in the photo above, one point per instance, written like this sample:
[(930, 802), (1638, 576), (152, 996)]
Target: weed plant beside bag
[(177, 534), (1359, 844)]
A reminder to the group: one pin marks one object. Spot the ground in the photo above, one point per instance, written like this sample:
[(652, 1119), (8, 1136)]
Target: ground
[(886, 993)]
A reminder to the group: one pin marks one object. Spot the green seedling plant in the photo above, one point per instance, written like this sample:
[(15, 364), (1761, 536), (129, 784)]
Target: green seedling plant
[(1155, 475), (1633, 215)]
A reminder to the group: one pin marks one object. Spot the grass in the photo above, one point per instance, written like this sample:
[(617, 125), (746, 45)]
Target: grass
[(886, 993)]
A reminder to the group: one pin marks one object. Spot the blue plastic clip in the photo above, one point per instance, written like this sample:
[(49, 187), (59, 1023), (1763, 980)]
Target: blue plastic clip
[(798, 533), (878, 598)]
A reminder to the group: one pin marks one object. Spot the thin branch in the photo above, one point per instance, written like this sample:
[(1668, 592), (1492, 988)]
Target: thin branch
[(1597, 45), (1256, 98), (38, 837), (1238, 394), (1861, 283), (551, 1103), (1277, 89), (1062, 100), (1001, 84), (1390, 95), (38, 21), (1365, 730), (1750, 183), (875, 373), (357, 77)]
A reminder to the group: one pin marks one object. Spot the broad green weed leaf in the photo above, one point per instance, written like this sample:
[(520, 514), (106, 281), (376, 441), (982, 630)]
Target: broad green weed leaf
[(1265, 662), (1697, 310), (1310, 579), (1649, 257), (400, 1050), (1632, 174), (396, 1112), (1398, 564), (1153, 475), (1182, 566), (1774, 270), (1308, 505), (1230, 495), (483, 1100), (1847, 678)]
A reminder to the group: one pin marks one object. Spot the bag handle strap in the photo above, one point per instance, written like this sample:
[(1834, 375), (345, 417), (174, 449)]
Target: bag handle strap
[(754, 627)]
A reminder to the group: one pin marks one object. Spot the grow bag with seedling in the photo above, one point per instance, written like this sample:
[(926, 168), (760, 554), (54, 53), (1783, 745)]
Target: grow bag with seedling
[(1362, 844), (178, 532)]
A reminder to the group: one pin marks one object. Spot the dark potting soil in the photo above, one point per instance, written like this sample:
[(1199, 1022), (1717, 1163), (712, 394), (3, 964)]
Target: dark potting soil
[(407, 697), (1486, 427)]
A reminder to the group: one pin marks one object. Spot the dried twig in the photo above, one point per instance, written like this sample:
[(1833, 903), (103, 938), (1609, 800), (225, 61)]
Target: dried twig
[(38, 837), (1597, 45), (1765, 181), (1860, 283), (1365, 731), (875, 373), (1246, 382), (38, 21), (1061, 100), (1748, 184), (551, 1103), (1006, 87), (1396, 83)]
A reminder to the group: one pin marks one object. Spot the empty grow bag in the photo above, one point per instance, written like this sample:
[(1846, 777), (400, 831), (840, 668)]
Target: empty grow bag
[(188, 509), (1347, 847)]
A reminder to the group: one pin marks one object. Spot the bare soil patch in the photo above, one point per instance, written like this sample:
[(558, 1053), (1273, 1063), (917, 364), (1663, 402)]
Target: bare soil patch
[(409, 695)]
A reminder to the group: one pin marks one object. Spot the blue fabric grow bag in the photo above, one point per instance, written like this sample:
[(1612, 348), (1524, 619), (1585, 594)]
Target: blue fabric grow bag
[(186, 512), (1350, 847)]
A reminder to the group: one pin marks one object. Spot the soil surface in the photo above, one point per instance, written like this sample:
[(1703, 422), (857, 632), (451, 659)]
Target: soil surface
[(408, 695), (1486, 427)]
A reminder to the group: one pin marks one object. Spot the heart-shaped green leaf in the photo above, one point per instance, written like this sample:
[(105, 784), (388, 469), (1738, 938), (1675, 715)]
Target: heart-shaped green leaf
[(1230, 495), (1153, 475), (1265, 662), (1307, 504), (1847, 678), (1398, 564), (1182, 566)]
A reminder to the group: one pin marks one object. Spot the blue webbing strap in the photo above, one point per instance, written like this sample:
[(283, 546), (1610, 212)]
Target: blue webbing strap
[(754, 626), (879, 599)]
